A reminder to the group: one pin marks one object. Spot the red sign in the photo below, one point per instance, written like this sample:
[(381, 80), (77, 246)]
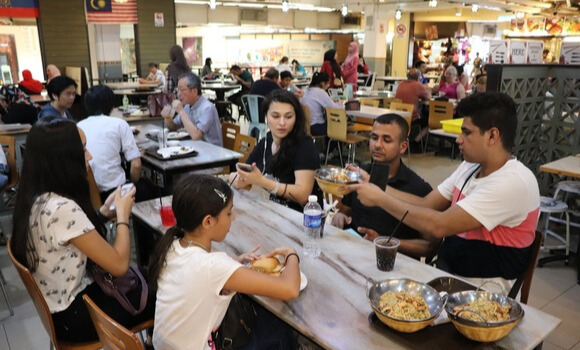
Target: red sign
[(401, 29)]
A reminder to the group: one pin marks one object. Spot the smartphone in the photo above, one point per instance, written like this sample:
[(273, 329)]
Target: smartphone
[(380, 174), (244, 167), (124, 189)]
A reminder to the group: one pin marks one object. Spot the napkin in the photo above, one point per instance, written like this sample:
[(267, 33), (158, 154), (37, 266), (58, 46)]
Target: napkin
[(441, 319)]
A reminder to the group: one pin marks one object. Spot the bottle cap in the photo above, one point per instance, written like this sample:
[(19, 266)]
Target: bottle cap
[(312, 198)]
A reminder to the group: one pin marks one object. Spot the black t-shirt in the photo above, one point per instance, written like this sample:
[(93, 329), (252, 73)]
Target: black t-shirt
[(305, 158), (378, 219), (263, 87)]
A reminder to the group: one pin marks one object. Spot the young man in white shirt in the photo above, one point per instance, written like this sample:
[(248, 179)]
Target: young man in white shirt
[(487, 210), (155, 76)]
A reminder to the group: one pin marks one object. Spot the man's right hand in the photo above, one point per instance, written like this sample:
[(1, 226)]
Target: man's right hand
[(166, 111), (341, 221)]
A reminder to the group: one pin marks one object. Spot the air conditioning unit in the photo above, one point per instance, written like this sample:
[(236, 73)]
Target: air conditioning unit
[(352, 20), (252, 16)]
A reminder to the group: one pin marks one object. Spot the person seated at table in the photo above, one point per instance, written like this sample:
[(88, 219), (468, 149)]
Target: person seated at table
[(363, 67), (421, 66), (481, 83), (287, 84), (299, 69), (62, 91), (51, 72), (317, 99), (332, 68), (244, 78), (284, 161), (487, 210), (206, 71), (195, 284), (387, 144), (283, 65), (155, 76), (28, 85), (107, 139), (59, 232), (195, 113), (411, 91), (176, 68), (16, 107), (267, 84), (451, 86)]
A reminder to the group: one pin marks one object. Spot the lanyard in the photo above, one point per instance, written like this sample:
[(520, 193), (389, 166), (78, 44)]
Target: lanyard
[(465, 183)]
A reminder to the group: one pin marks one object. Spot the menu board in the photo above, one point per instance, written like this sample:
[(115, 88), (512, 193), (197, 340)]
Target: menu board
[(498, 51), (517, 52), (570, 53), (534, 53)]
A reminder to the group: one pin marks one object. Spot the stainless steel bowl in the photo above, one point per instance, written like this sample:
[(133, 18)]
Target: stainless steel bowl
[(464, 297), (434, 301), (325, 173)]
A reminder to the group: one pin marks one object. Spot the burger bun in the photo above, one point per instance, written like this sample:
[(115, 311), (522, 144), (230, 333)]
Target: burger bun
[(267, 265)]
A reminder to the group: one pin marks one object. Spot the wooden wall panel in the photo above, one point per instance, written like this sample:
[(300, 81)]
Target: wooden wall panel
[(153, 43)]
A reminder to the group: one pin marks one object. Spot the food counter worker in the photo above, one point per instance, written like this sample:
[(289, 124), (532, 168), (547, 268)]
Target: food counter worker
[(195, 113), (284, 161)]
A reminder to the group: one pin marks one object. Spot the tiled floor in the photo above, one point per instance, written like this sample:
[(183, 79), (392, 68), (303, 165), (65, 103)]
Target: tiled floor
[(554, 288)]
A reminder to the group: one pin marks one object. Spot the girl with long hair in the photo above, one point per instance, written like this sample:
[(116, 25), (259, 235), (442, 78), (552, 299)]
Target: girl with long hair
[(195, 284), (58, 231), (332, 68), (317, 99), (284, 161), (177, 67)]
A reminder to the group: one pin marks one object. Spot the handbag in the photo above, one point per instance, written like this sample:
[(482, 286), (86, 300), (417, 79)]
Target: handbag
[(156, 102), (236, 327), (119, 287)]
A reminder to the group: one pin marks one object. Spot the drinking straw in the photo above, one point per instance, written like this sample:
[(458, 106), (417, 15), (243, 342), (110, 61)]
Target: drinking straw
[(234, 179), (397, 227)]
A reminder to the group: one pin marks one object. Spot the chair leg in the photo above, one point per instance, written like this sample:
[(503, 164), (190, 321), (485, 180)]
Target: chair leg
[(426, 143), (340, 154), (327, 151), (3, 286)]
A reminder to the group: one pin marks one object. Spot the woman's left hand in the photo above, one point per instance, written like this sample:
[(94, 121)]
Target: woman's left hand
[(249, 257), (250, 177), (104, 209)]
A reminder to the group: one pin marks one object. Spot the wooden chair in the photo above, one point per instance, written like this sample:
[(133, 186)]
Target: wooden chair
[(406, 107), (525, 279), (9, 191), (229, 133), (245, 145), (370, 102), (388, 100), (438, 111), (44, 311), (338, 131), (307, 116), (94, 189), (113, 335)]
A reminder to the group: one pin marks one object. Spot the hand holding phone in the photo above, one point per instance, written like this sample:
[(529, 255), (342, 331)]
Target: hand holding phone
[(380, 174), (124, 190), (244, 167)]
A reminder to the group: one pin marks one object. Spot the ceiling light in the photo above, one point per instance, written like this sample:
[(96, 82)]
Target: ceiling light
[(458, 12), (433, 3), (382, 1), (344, 10), (398, 14), (520, 15), (474, 8), (284, 5), (212, 4)]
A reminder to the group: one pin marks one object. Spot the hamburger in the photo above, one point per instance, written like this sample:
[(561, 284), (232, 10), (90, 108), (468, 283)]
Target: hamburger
[(269, 266)]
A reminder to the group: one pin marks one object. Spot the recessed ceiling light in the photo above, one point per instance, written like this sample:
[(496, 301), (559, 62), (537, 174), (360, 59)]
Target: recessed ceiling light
[(285, 6), (344, 10), (398, 14), (474, 8)]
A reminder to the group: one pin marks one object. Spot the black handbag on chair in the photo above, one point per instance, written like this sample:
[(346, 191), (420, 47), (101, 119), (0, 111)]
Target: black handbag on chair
[(237, 325)]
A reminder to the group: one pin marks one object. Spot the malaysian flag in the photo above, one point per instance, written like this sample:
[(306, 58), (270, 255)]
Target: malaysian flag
[(111, 11)]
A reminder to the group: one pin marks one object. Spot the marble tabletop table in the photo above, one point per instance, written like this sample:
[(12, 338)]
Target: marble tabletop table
[(367, 114), (333, 309)]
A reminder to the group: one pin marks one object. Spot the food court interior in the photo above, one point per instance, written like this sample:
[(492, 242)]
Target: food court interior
[(523, 44)]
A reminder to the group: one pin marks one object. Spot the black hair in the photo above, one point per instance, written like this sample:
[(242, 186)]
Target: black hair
[(492, 110), (329, 56), (178, 57), (285, 74), (99, 99), (288, 147), (54, 161), (295, 61), (284, 59), (193, 81), (58, 84), (153, 64), (419, 64), (194, 197), (392, 118), (272, 73), (235, 67), (319, 78), (208, 61)]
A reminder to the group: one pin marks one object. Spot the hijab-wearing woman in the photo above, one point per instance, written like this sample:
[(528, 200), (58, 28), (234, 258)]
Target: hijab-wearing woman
[(29, 85), (283, 162), (350, 66), (332, 68), (177, 67), (451, 86), (317, 99), (58, 231), (51, 72)]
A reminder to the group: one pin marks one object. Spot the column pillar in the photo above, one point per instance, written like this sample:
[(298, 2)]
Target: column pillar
[(401, 29), (375, 44)]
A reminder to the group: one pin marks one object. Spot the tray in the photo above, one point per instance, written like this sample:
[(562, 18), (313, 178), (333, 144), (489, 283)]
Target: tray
[(152, 151), (450, 285)]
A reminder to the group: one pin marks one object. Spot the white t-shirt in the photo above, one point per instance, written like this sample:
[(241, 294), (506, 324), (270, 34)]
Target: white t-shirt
[(157, 76), (189, 305), (60, 275), (107, 137)]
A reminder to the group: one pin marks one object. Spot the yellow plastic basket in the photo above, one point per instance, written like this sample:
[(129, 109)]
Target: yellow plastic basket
[(452, 125)]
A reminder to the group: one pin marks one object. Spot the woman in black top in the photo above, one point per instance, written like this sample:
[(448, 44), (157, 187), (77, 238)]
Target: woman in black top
[(283, 162), (177, 67)]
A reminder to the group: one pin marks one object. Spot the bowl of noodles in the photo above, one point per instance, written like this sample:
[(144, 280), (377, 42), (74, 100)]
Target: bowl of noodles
[(331, 179), (483, 316), (403, 304)]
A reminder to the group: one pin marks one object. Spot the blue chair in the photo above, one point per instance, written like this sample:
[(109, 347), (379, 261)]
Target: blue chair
[(252, 105)]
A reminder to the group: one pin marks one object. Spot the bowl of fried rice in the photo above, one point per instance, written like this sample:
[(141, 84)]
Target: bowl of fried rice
[(483, 316), (403, 304), (332, 179)]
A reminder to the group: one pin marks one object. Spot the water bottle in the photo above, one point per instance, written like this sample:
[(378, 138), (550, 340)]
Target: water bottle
[(312, 223), (125, 102)]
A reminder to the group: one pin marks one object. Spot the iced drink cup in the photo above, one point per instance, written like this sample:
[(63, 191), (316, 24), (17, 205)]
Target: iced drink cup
[(386, 252)]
